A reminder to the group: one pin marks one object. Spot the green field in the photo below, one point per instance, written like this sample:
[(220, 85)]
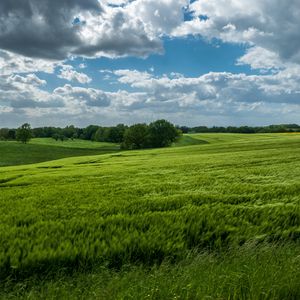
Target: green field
[(219, 219), (45, 149)]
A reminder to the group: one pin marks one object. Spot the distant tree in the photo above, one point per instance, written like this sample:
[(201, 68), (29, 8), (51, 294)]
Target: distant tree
[(69, 131), (89, 132), (38, 132), (162, 133), (184, 129), (136, 137), (101, 134), (62, 137), (12, 134), (55, 136), (24, 133), (116, 133), (74, 136), (4, 133)]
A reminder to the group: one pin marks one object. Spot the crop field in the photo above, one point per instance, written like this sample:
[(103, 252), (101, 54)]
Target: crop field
[(45, 149), (215, 216)]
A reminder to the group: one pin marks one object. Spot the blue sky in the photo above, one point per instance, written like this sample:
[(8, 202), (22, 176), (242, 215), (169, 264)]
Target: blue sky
[(190, 56), (202, 62)]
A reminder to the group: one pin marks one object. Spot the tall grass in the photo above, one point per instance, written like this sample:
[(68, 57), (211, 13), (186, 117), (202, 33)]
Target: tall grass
[(143, 208), (249, 272), (45, 149)]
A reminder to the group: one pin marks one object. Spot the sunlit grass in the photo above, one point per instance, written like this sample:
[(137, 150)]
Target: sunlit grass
[(45, 149), (143, 208), (75, 143)]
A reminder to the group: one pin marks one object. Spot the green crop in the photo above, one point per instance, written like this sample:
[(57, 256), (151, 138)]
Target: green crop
[(45, 149), (145, 207)]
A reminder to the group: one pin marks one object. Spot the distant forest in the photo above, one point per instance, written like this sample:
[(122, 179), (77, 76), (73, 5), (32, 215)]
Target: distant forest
[(243, 129), (114, 134)]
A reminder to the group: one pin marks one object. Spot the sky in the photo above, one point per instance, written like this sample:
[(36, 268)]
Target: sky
[(201, 62)]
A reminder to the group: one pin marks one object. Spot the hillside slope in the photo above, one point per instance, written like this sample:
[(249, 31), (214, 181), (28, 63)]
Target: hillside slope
[(45, 149), (147, 206)]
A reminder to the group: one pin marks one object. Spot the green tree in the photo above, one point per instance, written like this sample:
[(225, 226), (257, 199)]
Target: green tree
[(136, 137), (12, 134), (4, 133), (113, 134), (89, 132), (162, 134), (56, 136), (101, 134), (24, 133), (116, 134), (69, 131)]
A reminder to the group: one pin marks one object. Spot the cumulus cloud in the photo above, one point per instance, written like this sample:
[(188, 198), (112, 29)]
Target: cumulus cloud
[(222, 97), (30, 79), (82, 66), (263, 59), (40, 36), (67, 72), (25, 91), (212, 94), (132, 77), (55, 29), (42, 28), (162, 16), (11, 63), (217, 88), (271, 25), (91, 97)]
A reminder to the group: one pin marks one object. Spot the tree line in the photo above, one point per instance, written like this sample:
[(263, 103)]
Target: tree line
[(160, 133), (281, 128)]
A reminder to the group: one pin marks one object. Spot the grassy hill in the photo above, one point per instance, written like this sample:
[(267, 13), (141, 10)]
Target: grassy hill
[(45, 149), (216, 219)]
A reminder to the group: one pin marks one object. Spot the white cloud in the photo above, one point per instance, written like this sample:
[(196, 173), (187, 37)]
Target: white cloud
[(218, 87), (260, 58), (213, 93), (132, 76), (37, 36), (25, 92), (270, 25), (30, 79), (82, 66), (117, 28), (91, 97), (160, 16), (67, 72), (11, 63), (52, 30)]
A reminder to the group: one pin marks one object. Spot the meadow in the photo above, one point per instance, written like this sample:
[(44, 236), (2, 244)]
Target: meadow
[(216, 216), (45, 149)]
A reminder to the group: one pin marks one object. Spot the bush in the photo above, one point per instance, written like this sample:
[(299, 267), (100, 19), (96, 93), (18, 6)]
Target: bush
[(136, 137), (24, 133), (160, 133)]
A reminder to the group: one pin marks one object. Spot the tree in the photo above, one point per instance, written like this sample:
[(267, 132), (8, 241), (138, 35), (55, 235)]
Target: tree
[(12, 134), (162, 133), (101, 135), (89, 132), (69, 131), (56, 136), (24, 133), (113, 134), (136, 137), (116, 134), (4, 133)]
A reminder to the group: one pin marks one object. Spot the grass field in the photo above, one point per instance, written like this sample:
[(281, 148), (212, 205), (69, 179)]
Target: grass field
[(45, 149), (218, 219)]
